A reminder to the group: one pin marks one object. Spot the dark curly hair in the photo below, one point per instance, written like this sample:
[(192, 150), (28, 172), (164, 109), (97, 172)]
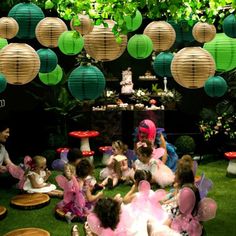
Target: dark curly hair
[(74, 154), (142, 175), (146, 149), (108, 212), (84, 168)]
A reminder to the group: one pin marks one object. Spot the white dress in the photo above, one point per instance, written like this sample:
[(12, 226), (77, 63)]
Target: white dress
[(39, 178)]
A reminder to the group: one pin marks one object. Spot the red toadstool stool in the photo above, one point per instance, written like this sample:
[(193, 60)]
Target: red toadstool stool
[(231, 169)]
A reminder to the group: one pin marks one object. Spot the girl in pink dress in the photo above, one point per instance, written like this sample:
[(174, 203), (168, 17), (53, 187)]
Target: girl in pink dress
[(161, 174)]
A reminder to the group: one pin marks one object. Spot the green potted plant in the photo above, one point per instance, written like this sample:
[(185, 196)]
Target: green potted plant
[(185, 144), (170, 98)]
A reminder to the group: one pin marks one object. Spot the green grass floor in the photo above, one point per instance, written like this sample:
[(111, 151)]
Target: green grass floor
[(224, 192)]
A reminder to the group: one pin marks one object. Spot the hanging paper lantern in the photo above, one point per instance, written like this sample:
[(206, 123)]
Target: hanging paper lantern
[(229, 26), (86, 82), (48, 31), (3, 83), (86, 24), (3, 43), (8, 27), (183, 31), (27, 15), (223, 50), (140, 46), (48, 60), (101, 43), (133, 23), (215, 86), (53, 77), (70, 42), (192, 66), (162, 64), (19, 62), (204, 32), (162, 35)]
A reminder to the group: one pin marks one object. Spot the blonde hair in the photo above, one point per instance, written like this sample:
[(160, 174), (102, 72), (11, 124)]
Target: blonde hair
[(120, 145), (38, 160)]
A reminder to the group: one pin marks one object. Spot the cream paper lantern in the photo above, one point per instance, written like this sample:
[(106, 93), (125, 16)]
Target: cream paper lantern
[(204, 32), (192, 66), (86, 24), (48, 31), (101, 43), (8, 27), (19, 63)]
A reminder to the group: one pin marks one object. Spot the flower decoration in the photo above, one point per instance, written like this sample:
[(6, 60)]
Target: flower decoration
[(140, 95), (224, 124), (170, 96), (111, 96)]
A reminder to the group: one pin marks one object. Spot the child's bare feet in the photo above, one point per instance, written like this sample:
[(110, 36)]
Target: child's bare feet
[(74, 230)]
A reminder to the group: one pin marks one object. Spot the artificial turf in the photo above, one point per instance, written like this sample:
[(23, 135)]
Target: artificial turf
[(224, 193)]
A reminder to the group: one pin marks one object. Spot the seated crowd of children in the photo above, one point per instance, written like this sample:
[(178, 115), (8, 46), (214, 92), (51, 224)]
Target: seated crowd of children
[(142, 211)]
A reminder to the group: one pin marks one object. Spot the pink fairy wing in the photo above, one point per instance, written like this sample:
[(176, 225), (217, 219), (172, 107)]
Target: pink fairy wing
[(61, 181), (158, 153), (18, 173), (94, 223), (79, 196), (207, 209), (27, 162), (144, 186), (186, 200)]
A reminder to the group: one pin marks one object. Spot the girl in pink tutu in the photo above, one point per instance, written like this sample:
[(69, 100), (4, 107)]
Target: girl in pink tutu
[(161, 174)]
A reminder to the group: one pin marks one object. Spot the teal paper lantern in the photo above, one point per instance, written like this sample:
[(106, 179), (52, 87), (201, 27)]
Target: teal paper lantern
[(53, 77), (162, 64), (140, 46), (133, 23), (27, 16), (223, 50), (86, 82), (215, 86), (70, 42), (48, 60), (229, 26), (3, 83), (3, 43)]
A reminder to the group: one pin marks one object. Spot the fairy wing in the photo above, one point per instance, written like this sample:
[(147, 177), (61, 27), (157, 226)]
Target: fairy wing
[(27, 162), (207, 209), (79, 196), (158, 153), (18, 173), (186, 201), (204, 185)]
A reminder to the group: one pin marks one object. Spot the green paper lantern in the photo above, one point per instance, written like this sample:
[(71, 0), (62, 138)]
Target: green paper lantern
[(53, 77), (215, 86), (27, 16), (48, 60), (70, 42), (229, 26), (140, 46), (3, 83), (133, 23), (162, 64), (86, 82), (223, 50), (3, 43)]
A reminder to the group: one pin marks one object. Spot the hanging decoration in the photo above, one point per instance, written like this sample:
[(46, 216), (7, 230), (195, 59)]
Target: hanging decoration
[(215, 86), (223, 50), (204, 32), (19, 62), (162, 35), (53, 77), (8, 27), (86, 82), (192, 66), (48, 31), (162, 64), (140, 46), (101, 43), (133, 23), (229, 26), (70, 43), (3, 43), (85, 26), (3, 83), (48, 60), (27, 15)]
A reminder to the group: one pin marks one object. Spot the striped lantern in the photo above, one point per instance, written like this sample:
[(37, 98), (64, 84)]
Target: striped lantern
[(70, 42), (192, 66), (215, 86), (133, 23), (27, 16), (3, 43), (162, 35), (140, 46), (19, 62), (85, 26), (204, 32), (48, 60), (3, 83), (229, 26), (86, 82), (48, 31), (53, 77), (101, 43), (8, 27), (223, 50)]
